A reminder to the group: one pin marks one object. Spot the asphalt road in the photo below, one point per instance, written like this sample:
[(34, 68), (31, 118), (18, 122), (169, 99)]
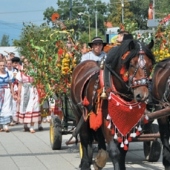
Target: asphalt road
[(21, 150)]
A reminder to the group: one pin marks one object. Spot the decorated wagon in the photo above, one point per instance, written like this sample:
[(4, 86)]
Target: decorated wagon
[(53, 63)]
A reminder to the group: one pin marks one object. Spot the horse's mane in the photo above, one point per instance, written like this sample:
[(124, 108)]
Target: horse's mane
[(114, 56)]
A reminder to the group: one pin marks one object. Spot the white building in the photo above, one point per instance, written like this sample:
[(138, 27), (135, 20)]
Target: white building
[(6, 50)]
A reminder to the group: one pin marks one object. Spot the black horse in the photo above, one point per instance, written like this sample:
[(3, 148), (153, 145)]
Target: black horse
[(127, 69), (160, 92)]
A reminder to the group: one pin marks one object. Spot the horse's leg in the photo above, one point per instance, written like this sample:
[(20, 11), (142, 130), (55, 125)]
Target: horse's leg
[(86, 143), (100, 139), (102, 155), (122, 158), (165, 135), (113, 150), (114, 154)]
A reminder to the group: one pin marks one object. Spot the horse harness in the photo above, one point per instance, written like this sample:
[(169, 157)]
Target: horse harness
[(133, 83), (141, 64)]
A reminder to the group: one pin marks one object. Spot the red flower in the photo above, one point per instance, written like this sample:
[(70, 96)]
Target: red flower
[(55, 16), (60, 51)]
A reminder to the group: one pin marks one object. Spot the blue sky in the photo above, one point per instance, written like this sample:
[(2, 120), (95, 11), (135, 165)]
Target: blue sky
[(14, 12)]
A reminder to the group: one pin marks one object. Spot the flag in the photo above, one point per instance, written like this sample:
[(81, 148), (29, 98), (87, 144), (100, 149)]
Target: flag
[(150, 10)]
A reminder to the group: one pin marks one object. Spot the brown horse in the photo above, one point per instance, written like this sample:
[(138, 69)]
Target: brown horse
[(160, 92), (126, 71)]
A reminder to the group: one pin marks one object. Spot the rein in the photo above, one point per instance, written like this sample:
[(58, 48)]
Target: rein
[(117, 76)]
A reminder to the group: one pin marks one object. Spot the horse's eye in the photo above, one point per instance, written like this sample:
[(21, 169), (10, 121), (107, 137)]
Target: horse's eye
[(131, 66)]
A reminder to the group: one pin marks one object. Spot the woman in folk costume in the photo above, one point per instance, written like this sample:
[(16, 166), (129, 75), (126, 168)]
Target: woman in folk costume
[(28, 101), (11, 67), (5, 97)]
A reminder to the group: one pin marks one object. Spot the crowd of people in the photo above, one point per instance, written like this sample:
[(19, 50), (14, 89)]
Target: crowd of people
[(19, 101)]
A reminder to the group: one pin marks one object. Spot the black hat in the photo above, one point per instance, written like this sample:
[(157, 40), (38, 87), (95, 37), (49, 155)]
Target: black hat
[(96, 40), (15, 59)]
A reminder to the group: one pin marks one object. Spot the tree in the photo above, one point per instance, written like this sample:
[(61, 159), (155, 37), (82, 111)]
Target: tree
[(5, 40), (77, 22), (116, 15), (140, 11), (47, 50)]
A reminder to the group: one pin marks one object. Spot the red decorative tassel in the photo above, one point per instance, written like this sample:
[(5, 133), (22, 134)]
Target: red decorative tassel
[(130, 139), (125, 147), (99, 111), (107, 123), (85, 101), (120, 140), (112, 131), (137, 133), (145, 120)]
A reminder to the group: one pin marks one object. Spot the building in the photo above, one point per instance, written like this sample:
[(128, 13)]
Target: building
[(6, 50)]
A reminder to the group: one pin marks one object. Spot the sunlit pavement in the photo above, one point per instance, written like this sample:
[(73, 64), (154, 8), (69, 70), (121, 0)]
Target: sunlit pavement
[(21, 150)]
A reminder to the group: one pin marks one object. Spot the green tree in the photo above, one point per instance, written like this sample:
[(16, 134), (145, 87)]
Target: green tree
[(117, 12), (5, 40), (140, 12), (80, 23), (162, 8)]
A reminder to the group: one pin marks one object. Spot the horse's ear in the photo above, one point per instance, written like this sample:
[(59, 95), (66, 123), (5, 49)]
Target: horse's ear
[(151, 44), (131, 45)]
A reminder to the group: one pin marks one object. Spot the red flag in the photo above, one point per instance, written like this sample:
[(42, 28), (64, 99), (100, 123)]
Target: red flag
[(150, 11)]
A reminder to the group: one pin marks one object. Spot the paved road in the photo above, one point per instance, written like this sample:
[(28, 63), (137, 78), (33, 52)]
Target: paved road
[(25, 151)]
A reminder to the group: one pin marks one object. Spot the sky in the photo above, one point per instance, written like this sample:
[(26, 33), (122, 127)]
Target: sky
[(14, 12)]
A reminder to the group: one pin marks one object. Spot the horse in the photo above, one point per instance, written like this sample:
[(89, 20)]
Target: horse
[(124, 72), (160, 93)]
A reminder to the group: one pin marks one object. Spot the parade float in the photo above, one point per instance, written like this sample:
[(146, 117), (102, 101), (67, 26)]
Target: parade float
[(51, 60)]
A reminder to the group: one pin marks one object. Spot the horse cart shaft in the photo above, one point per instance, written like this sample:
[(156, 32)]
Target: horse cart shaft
[(158, 114)]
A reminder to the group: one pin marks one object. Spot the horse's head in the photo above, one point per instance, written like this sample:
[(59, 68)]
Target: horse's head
[(132, 62), (139, 63)]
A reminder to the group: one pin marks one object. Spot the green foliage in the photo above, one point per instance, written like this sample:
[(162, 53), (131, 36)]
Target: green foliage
[(5, 40), (130, 25), (41, 45), (116, 14), (80, 23)]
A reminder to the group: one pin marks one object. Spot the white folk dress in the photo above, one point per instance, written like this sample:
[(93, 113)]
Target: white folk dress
[(13, 72), (5, 99), (29, 107)]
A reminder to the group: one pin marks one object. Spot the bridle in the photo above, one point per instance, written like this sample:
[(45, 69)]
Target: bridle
[(133, 82)]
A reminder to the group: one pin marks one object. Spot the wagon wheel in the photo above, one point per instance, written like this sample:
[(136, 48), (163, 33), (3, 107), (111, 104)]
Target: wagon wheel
[(55, 133), (152, 149)]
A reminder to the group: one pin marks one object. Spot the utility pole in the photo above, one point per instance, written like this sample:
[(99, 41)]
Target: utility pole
[(122, 3), (153, 9), (70, 9), (96, 21)]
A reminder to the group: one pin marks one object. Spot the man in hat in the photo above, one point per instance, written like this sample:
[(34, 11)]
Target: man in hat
[(96, 52), (123, 35)]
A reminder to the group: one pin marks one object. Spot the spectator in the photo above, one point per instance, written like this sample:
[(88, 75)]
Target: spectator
[(28, 101), (11, 55), (5, 97), (16, 63), (123, 35)]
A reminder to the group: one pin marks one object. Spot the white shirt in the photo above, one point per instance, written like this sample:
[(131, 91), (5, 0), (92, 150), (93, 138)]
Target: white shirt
[(91, 56)]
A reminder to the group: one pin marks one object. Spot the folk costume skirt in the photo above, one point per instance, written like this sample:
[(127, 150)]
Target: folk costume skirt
[(29, 107), (5, 106)]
